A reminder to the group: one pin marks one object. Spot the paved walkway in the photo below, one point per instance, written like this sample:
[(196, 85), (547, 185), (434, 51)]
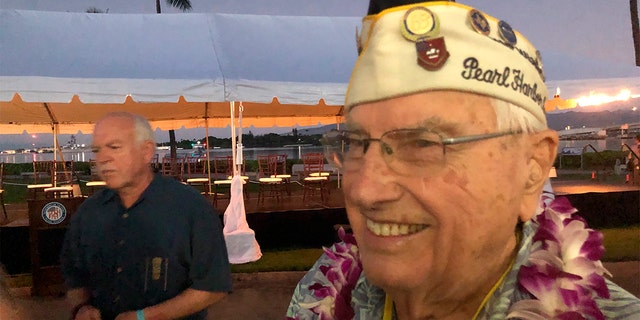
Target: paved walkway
[(259, 296), (564, 184), (256, 296)]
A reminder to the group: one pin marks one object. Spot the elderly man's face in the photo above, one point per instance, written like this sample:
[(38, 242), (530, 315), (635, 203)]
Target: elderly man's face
[(460, 219), (120, 159)]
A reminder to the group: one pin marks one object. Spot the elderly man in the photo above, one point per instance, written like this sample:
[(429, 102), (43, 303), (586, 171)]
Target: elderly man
[(445, 157), (147, 247)]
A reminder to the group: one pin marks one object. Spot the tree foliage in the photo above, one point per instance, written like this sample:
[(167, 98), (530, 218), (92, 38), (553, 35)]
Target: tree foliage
[(270, 140)]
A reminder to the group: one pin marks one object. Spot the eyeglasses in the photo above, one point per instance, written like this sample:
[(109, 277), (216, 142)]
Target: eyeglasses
[(406, 151)]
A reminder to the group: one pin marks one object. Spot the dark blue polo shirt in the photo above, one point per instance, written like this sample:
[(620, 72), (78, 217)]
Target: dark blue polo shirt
[(169, 240)]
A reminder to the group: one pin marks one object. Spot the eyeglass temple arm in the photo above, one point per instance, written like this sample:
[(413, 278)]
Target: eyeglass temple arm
[(465, 139)]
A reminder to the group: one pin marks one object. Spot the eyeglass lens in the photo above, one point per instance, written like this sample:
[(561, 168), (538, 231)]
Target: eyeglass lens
[(407, 151)]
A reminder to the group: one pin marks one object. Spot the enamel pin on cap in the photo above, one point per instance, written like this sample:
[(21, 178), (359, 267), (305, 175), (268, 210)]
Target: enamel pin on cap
[(419, 23), (539, 65), (432, 53), (506, 33), (358, 42), (478, 22)]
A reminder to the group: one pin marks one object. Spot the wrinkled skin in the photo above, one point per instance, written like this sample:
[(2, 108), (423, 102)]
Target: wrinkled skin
[(470, 206)]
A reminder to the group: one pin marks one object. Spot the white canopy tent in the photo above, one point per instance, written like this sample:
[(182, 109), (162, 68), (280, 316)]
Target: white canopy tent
[(175, 69), (60, 72), (180, 69)]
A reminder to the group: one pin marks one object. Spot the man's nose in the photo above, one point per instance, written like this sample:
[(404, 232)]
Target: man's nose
[(102, 157), (373, 182)]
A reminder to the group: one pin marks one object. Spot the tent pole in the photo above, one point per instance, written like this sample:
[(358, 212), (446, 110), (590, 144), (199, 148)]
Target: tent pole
[(57, 143), (238, 154), (56, 146), (206, 141), (232, 105), (54, 124)]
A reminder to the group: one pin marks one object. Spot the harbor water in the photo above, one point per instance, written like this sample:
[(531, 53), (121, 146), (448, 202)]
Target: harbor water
[(84, 155), (292, 152)]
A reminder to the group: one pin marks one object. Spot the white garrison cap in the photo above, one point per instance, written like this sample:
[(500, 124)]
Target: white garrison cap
[(445, 46)]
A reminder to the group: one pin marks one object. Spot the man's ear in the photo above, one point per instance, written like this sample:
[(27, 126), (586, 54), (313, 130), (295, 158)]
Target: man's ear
[(544, 147), (149, 149)]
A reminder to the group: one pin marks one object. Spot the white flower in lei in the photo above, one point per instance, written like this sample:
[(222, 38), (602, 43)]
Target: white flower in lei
[(564, 273)]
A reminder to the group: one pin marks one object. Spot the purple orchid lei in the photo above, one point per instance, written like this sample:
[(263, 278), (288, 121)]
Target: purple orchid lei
[(564, 273), (343, 274)]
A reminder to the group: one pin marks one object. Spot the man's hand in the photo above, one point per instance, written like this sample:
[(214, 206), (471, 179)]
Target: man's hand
[(129, 315), (88, 312)]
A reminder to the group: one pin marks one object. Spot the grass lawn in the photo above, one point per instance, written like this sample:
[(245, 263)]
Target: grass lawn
[(622, 244), (15, 190), (289, 260)]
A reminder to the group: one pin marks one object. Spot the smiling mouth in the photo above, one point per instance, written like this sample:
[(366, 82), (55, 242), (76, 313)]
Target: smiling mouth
[(394, 229)]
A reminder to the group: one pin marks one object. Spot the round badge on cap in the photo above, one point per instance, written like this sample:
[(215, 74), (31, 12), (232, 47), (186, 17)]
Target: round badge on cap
[(478, 22), (358, 41), (539, 64), (419, 23), (506, 33)]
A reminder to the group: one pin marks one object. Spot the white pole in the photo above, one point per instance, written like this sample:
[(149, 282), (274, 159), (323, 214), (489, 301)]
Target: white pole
[(238, 154), (232, 105)]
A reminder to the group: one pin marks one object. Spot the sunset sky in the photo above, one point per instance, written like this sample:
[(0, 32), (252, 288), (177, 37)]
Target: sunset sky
[(589, 39)]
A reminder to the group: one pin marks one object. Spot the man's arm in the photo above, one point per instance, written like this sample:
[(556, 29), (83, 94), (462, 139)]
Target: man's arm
[(78, 296), (79, 301), (188, 302)]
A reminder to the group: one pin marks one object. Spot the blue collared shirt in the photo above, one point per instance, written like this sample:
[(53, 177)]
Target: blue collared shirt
[(168, 241)]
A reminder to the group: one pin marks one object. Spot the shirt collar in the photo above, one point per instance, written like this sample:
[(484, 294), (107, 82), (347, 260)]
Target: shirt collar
[(112, 195)]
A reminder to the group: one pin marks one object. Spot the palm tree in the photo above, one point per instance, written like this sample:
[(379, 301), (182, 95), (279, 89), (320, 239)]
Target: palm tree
[(184, 5), (96, 10), (635, 28)]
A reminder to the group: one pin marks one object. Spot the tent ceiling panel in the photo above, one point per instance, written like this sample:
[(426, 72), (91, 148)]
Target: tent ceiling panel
[(16, 111), (176, 69), (114, 46), (297, 59)]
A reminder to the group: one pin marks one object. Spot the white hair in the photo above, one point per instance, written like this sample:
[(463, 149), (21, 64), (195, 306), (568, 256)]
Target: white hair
[(141, 128), (512, 117)]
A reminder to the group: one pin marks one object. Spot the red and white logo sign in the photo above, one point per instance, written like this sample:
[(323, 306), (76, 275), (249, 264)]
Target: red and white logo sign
[(54, 213)]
